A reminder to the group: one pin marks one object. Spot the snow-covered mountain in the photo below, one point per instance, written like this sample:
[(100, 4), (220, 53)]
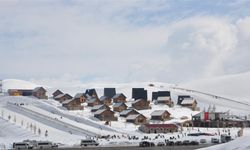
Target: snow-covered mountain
[(63, 124)]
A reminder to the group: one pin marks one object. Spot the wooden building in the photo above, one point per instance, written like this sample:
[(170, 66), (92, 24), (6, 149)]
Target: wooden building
[(119, 98), (119, 107), (73, 104), (56, 93), (166, 100), (91, 102), (137, 119), (158, 128), (105, 115), (40, 93), (99, 107), (160, 115), (81, 97), (91, 93), (106, 100), (63, 97), (189, 103), (127, 112), (141, 104), (20, 92)]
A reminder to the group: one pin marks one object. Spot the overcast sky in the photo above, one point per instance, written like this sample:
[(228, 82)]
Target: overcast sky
[(172, 41)]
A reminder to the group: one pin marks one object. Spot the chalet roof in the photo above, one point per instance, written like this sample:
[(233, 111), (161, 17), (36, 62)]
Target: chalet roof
[(161, 126), (103, 98), (79, 95), (58, 91), (62, 95), (188, 101), (119, 104), (118, 95), (98, 112), (67, 101), (92, 100), (163, 98), (133, 117), (138, 100), (39, 88), (96, 107), (158, 112), (125, 112)]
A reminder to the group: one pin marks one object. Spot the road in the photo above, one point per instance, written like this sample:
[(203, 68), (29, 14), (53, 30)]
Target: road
[(190, 147), (49, 121)]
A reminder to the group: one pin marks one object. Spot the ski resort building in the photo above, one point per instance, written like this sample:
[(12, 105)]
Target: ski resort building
[(158, 128)]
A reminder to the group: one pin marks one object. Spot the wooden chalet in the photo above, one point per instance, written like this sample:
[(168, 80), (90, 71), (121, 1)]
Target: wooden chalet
[(91, 102), (91, 93), (166, 100), (63, 97), (73, 104), (160, 115), (158, 128), (106, 100), (127, 112), (40, 93), (119, 107), (137, 119), (105, 115), (81, 97), (141, 104), (56, 93), (20, 92), (119, 98), (99, 107), (189, 103)]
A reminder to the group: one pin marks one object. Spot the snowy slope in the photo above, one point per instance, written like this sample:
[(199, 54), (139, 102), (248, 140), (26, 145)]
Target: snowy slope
[(232, 86)]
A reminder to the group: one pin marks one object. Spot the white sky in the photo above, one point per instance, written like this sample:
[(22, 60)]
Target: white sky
[(123, 41)]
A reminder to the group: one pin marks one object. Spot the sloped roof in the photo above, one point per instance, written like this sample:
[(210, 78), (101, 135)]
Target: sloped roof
[(138, 100), (158, 112), (92, 100), (97, 107), (119, 104), (61, 95), (101, 111), (67, 101), (38, 88), (188, 101), (163, 98), (57, 92), (103, 98), (79, 95), (132, 117), (118, 94), (125, 112)]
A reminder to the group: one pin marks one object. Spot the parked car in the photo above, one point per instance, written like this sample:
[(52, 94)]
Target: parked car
[(186, 142), (170, 143), (203, 141), (178, 143), (194, 143), (215, 140), (146, 144), (22, 145), (89, 142), (225, 138), (44, 144), (160, 144)]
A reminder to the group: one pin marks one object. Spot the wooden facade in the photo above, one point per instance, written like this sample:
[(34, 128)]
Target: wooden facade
[(93, 101), (141, 104), (56, 93), (105, 115), (160, 115), (166, 100), (189, 103), (119, 98), (158, 128), (73, 104), (106, 100), (137, 119), (119, 107), (81, 97), (40, 93)]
